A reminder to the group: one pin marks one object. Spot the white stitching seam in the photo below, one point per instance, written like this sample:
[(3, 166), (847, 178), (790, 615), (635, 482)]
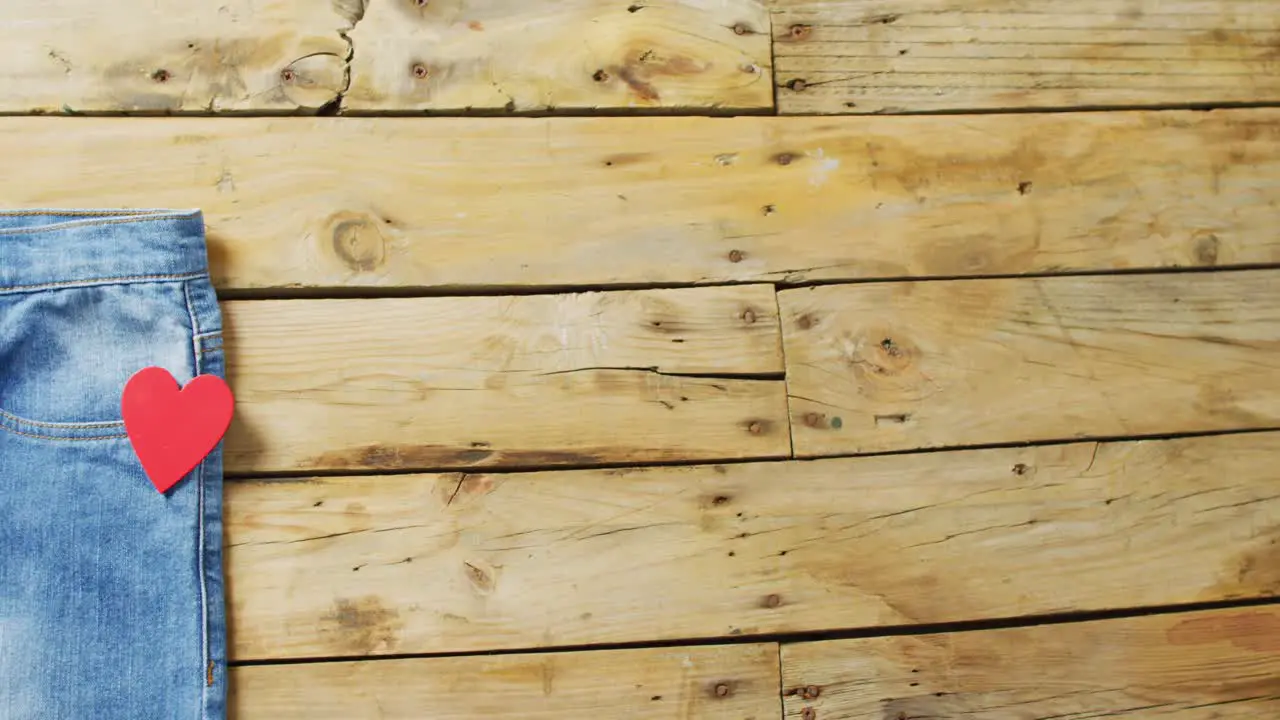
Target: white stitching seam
[(205, 660)]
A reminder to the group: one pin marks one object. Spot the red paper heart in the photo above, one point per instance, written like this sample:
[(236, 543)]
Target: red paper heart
[(172, 429)]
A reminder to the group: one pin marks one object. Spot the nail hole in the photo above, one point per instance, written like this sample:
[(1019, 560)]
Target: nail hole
[(736, 256), (420, 71), (287, 75), (600, 76), (161, 75), (742, 29), (798, 84)]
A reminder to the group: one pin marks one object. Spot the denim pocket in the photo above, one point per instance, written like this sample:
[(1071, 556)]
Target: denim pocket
[(67, 352)]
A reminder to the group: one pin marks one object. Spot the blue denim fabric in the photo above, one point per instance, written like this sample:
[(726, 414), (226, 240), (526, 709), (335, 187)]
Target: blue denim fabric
[(111, 594)]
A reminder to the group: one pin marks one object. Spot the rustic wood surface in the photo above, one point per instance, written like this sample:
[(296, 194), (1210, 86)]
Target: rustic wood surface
[(900, 366), (165, 56), (288, 56), (1210, 665), (738, 682), (454, 55), (404, 203), (405, 383), (639, 356), (893, 56), (353, 566)]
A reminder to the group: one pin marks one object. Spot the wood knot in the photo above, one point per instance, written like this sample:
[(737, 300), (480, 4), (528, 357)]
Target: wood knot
[(784, 158), (748, 316), (758, 427), (741, 28), (814, 419), (806, 321), (600, 76), (1206, 250), (881, 354), (800, 32), (161, 75), (287, 75), (358, 242)]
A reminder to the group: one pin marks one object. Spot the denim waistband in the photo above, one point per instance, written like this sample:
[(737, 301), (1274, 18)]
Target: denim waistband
[(52, 248)]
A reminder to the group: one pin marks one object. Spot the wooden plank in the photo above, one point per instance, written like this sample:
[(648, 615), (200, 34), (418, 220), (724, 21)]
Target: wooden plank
[(892, 56), (414, 383), (882, 367), (1215, 664), (327, 202), (165, 56), (738, 682), (441, 563), (694, 55)]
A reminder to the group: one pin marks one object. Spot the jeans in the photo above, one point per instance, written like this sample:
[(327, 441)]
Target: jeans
[(111, 593)]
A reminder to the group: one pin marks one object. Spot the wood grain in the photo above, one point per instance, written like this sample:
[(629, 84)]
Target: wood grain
[(359, 566), (451, 55), (414, 383), (169, 56), (880, 367), (1214, 664), (738, 682), (342, 202), (893, 56)]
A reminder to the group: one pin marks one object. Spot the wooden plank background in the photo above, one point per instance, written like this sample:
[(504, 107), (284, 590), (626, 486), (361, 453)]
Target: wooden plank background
[(893, 56), (405, 383), (1217, 664), (556, 388), (571, 54), (738, 682), (362, 566), (934, 364), (401, 203)]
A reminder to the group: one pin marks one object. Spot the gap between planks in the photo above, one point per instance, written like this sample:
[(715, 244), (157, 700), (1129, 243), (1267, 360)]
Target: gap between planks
[(964, 626)]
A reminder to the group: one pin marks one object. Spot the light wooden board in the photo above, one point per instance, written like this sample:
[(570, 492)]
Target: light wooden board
[(738, 682), (890, 56), (416, 383), (163, 56), (76, 56), (877, 367), (355, 566), (695, 55), (448, 203), (1210, 665)]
